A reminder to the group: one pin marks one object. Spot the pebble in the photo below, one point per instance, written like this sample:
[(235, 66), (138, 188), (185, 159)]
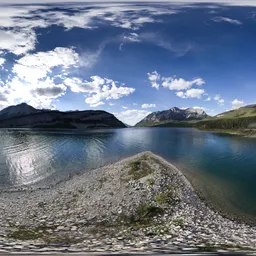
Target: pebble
[(81, 215)]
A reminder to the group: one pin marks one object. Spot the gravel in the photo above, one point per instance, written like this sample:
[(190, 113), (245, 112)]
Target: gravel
[(139, 204)]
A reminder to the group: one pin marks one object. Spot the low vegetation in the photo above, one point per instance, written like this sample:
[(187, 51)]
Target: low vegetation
[(167, 123), (138, 169), (226, 247), (227, 123), (142, 217), (163, 198), (150, 182), (42, 232)]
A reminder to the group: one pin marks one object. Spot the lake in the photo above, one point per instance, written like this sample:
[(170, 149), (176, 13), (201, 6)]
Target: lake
[(222, 167)]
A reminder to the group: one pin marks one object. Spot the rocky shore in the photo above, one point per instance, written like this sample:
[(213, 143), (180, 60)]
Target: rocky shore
[(139, 204)]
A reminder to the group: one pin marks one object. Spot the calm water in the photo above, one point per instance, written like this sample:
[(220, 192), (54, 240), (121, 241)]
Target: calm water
[(223, 167)]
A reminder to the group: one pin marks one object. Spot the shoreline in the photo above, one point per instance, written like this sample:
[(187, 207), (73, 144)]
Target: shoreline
[(247, 133), (195, 187), (128, 205)]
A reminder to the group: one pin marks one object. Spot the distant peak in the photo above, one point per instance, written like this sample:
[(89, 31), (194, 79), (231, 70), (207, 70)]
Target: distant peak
[(23, 104)]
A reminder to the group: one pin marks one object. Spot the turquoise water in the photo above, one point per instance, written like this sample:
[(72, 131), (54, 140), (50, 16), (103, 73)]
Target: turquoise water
[(222, 166)]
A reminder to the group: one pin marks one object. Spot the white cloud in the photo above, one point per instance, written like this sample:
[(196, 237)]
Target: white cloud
[(98, 89), (178, 84), (109, 91), (33, 67), (132, 37), (200, 108), (17, 42), (237, 103), (225, 19), (154, 77), (18, 23), (208, 99), (218, 98), (33, 75), (40, 95), (131, 116), (17, 33), (181, 94), (117, 14), (124, 107), (2, 61), (97, 104), (191, 93), (78, 85), (148, 105), (221, 101)]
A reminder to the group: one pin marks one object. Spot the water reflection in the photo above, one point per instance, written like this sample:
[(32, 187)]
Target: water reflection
[(25, 157)]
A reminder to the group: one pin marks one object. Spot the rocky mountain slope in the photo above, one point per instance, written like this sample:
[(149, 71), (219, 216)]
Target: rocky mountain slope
[(173, 115), (25, 116)]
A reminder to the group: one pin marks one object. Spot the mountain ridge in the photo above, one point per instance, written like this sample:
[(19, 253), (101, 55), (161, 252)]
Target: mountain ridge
[(25, 116), (174, 114), (235, 119)]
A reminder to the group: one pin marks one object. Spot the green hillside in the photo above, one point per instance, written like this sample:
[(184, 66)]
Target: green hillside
[(238, 113), (242, 118)]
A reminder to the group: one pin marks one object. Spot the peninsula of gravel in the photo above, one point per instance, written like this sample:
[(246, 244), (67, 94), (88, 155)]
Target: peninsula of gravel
[(139, 204)]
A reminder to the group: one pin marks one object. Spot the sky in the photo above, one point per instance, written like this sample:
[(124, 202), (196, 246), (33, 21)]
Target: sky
[(128, 58)]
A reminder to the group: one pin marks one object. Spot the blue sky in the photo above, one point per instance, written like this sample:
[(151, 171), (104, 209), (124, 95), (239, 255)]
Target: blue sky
[(128, 58)]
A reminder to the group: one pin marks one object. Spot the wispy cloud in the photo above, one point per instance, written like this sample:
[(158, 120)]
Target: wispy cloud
[(228, 20), (145, 105), (218, 98), (18, 23)]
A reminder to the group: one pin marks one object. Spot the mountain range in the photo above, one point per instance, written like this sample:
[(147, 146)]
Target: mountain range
[(25, 116), (173, 115)]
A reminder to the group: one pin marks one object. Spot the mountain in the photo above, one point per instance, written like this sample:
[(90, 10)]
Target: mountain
[(172, 115), (25, 116), (20, 109), (242, 118)]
